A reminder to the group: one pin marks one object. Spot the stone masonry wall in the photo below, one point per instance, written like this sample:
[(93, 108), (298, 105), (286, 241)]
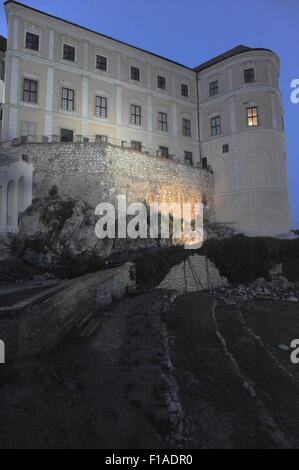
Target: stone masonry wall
[(99, 173), (36, 325), (195, 274)]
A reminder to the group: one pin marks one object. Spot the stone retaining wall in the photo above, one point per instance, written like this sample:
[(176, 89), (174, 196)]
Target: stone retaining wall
[(36, 325), (98, 173)]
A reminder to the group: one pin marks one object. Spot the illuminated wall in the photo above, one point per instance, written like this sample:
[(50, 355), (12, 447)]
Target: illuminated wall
[(99, 173)]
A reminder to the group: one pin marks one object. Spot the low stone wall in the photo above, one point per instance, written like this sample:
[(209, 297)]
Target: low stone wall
[(38, 324), (195, 274), (98, 173)]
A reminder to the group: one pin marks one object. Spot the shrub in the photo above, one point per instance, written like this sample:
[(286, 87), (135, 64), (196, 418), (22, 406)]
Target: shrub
[(72, 267), (153, 267), (242, 260)]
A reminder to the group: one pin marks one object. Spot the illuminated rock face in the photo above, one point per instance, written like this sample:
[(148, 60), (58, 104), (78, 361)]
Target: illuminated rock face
[(97, 173)]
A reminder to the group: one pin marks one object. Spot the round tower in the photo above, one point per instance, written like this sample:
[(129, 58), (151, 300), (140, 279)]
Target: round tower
[(242, 137)]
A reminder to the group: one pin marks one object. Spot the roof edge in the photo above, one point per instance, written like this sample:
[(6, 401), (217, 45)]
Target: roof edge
[(191, 69), (241, 49), (228, 55)]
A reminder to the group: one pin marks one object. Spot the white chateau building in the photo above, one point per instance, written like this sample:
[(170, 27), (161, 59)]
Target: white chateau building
[(65, 83)]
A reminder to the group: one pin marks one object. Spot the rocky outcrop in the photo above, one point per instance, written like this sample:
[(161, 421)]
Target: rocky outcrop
[(55, 227)]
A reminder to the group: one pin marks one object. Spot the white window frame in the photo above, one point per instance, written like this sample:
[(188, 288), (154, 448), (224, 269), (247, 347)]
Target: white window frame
[(67, 87), (165, 76), (215, 116), (98, 53), (186, 118), (136, 66), (137, 104), (35, 79), (65, 43), (33, 29), (163, 123), (187, 85), (101, 96)]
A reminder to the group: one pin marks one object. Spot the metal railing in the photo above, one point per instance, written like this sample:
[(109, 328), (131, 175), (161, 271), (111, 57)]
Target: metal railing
[(97, 140)]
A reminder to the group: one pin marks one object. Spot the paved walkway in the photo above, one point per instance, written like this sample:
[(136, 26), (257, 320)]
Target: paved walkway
[(14, 293)]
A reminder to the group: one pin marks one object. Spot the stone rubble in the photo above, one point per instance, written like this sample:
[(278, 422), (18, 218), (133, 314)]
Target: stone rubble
[(278, 288)]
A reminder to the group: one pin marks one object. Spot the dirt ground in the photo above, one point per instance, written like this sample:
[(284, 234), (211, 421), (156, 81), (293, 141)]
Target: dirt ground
[(238, 389), (202, 375)]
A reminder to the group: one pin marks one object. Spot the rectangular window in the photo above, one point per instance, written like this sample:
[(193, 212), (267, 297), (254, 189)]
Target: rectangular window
[(32, 41), (252, 117), (101, 107), (249, 75), (135, 74), (135, 115), (187, 127), (164, 152), (101, 63), (103, 139), (68, 99), (163, 122), (214, 88), (28, 129), (69, 53), (189, 158), (184, 90), (136, 145), (66, 135), (216, 126), (161, 82), (225, 148), (30, 91)]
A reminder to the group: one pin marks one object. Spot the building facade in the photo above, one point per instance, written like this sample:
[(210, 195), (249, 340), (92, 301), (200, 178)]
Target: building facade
[(3, 46), (66, 83), (242, 137)]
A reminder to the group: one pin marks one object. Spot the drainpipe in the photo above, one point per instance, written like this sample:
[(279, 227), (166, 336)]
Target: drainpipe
[(198, 118)]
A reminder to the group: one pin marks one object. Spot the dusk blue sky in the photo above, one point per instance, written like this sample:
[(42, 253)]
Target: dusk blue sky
[(193, 31)]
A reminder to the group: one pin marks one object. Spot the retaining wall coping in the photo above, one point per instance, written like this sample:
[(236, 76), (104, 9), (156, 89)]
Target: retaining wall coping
[(105, 276)]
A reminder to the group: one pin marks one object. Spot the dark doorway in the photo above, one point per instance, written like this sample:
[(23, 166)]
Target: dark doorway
[(67, 135)]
